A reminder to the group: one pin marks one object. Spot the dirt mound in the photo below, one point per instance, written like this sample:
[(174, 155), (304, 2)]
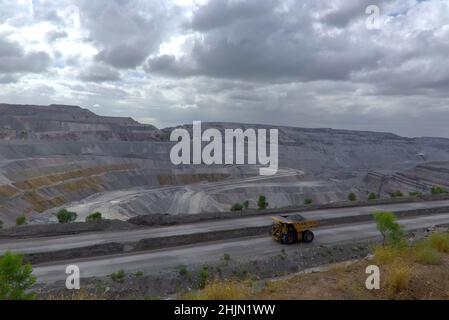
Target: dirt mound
[(51, 230)]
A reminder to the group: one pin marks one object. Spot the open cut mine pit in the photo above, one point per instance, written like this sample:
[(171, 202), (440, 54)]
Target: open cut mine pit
[(77, 160)]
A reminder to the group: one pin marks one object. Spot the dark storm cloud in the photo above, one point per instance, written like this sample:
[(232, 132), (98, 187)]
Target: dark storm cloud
[(126, 31), (124, 56), (14, 59), (217, 14), (417, 66), (267, 43)]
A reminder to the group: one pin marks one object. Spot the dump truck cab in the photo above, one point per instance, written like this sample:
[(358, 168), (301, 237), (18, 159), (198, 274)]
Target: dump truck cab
[(289, 229)]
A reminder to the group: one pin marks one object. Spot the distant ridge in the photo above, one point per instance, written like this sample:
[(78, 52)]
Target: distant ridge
[(69, 122), (62, 122)]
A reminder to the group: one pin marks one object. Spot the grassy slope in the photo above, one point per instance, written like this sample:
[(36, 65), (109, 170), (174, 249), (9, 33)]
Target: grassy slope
[(420, 272)]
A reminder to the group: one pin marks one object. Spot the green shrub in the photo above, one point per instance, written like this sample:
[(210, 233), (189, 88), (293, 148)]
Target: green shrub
[(415, 194), (262, 203), (21, 220), (392, 232), (352, 197), (425, 254), (203, 277), (65, 216), (386, 254), (397, 194), (439, 241), (96, 216), (138, 274), (308, 201), (237, 207), (227, 257), (118, 276), (438, 190), (1, 224), (15, 278), (372, 196), (185, 273)]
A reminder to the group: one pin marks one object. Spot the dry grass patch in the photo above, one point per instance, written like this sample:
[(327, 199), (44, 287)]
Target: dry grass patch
[(400, 279), (426, 254), (398, 276), (420, 272), (387, 254), (221, 290), (440, 242)]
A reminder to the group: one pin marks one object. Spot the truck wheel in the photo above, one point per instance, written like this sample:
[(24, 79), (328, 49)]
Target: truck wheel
[(308, 236), (289, 238)]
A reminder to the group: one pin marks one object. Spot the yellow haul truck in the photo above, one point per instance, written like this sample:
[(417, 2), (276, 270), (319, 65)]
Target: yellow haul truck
[(291, 229)]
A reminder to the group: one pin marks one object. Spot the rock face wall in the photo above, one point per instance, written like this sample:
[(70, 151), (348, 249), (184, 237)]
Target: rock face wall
[(64, 156), (65, 123), (420, 179)]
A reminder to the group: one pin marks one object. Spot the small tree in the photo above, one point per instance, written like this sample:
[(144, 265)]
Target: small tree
[(352, 197), (372, 196), (438, 190), (15, 278), (246, 205), (397, 194), (118, 276), (203, 277), (262, 203), (308, 201), (237, 207), (96, 216), (392, 232), (1, 224), (21, 220), (65, 216)]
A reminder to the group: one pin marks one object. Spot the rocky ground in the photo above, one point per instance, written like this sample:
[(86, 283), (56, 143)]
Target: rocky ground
[(347, 282), (172, 283), (183, 281)]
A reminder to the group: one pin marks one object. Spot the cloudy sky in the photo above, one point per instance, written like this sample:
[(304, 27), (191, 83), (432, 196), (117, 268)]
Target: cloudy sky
[(309, 63)]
